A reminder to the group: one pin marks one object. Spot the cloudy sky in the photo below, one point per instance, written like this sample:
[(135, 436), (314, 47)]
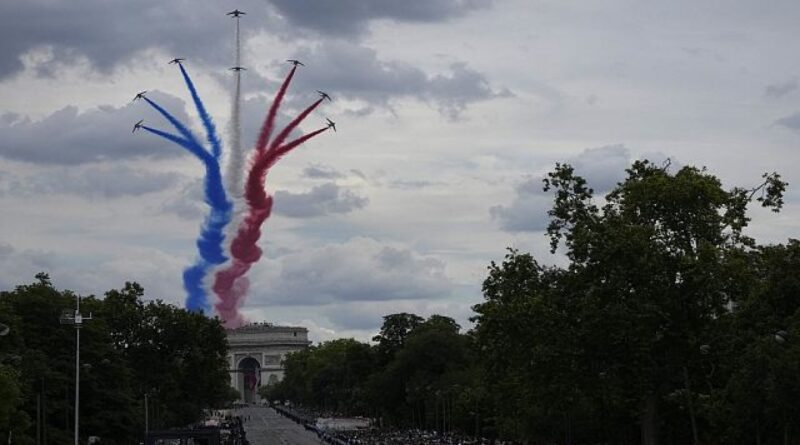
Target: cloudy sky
[(449, 112)]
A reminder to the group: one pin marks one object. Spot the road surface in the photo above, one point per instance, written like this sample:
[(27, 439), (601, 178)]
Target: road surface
[(266, 427)]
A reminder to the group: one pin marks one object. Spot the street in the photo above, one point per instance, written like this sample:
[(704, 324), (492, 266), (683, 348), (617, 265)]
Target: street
[(266, 427)]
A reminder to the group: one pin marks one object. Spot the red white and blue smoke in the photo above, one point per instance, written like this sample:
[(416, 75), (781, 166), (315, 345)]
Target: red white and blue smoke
[(229, 281)]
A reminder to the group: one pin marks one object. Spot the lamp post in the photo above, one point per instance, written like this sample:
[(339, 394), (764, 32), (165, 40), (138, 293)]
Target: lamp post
[(76, 319), (146, 416), (3, 332)]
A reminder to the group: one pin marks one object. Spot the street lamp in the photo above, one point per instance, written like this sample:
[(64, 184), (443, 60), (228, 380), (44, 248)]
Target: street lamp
[(76, 319)]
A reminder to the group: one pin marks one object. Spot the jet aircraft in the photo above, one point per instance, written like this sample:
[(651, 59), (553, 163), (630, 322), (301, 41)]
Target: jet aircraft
[(295, 62), (137, 126), (139, 95), (238, 68), (236, 13), (324, 95), (331, 124), (177, 60)]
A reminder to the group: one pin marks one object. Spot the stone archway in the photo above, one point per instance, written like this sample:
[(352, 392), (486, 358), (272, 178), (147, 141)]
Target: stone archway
[(249, 379)]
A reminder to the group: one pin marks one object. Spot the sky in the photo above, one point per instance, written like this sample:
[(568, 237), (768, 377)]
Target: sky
[(449, 113)]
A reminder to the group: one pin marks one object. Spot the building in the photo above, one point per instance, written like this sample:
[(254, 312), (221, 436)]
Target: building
[(256, 353)]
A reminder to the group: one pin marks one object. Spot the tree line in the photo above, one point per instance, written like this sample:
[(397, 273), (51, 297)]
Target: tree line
[(131, 351), (667, 324)]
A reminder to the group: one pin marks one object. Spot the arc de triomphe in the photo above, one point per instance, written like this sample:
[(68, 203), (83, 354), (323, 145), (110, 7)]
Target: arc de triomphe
[(256, 353)]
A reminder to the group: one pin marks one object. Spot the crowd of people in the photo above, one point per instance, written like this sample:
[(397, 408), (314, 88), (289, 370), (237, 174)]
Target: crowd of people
[(232, 432), (376, 436), (231, 426), (401, 437)]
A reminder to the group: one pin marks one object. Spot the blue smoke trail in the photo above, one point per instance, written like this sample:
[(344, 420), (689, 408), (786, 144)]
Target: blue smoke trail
[(190, 146), (211, 131), (182, 129), (210, 241)]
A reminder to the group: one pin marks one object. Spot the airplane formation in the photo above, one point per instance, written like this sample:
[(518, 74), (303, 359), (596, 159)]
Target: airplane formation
[(235, 13)]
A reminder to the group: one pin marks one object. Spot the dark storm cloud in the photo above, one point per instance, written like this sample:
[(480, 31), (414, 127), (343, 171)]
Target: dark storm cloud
[(90, 182), (780, 89), (602, 167), (791, 121), (108, 32), (355, 72), (71, 137), (321, 200), (352, 17)]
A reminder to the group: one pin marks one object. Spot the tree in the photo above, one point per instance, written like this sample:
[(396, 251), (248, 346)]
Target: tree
[(394, 331), (128, 349), (762, 359), (10, 396), (619, 333)]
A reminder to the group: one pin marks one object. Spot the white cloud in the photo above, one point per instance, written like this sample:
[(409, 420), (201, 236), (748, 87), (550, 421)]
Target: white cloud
[(69, 137), (360, 269), (104, 181), (602, 167), (321, 200)]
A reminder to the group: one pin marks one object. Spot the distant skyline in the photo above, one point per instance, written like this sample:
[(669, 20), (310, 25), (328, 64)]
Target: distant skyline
[(448, 112)]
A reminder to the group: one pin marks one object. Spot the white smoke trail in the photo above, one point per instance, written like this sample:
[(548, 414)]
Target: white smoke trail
[(234, 171), (235, 167)]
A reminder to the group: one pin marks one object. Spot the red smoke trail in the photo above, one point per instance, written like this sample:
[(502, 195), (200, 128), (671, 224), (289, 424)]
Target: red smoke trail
[(293, 124), (266, 129), (231, 284)]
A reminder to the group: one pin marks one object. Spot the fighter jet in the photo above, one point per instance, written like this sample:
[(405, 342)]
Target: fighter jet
[(331, 124), (295, 62), (324, 95), (137, 126), (177, 60), (236, 13), (238, 68), (139, 95)]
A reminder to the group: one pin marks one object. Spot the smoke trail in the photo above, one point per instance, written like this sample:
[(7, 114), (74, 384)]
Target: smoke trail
[(211, 131), (236, 154), (235, 162), (231, 284), (269, 122), (293, 124), (174, 121), (190, 146), (210, 241), (275, 155)]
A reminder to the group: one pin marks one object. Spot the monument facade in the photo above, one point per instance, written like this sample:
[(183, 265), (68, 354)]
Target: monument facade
[(256, 353)]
